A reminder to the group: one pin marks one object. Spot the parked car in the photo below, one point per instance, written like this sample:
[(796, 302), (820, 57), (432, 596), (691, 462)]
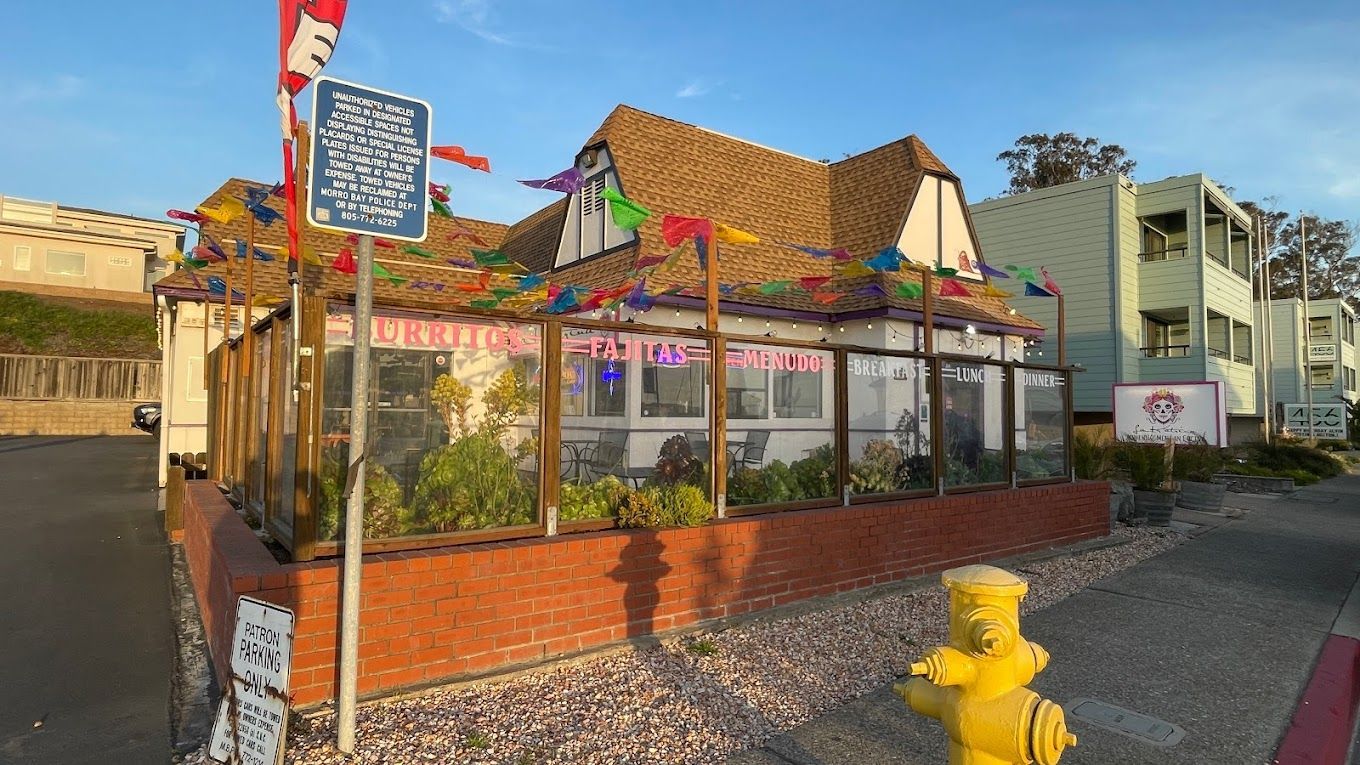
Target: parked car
[(147, 417)]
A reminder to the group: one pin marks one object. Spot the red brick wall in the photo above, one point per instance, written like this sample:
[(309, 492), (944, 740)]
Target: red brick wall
[(436, 615)]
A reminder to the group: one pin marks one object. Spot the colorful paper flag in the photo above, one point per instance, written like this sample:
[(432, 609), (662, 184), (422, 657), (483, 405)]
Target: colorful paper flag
[(872, 290), (175, 257), (344, 262), (945, 272), (457, 154), (990, 291), (195, 263), (229, 210), (1034, 290), (492, 303), (731, 235), (217, 286), (839, 253), (192, 217), (1022, 273), (811, 283), (628, 215), (530, 282), (568, 181), (464, 231), (638, 299), (677, 228), (461, 262), (1049, 284), (649, 261), (440, 209), (486, 258), (853, 268), (910, 290), (214, 248), (266, 300), (260, 255), (775, 287), (419, 252), (953, 288), (888, 259), (201, 252), (438, 192), (995, 273), (827, 298), (383, 273)]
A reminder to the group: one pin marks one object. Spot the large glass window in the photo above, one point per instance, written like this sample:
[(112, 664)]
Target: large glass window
[(972, 421), (65, 263), (889, 408), (1040, 423), (784, 453), (453, 425), (645, 443)]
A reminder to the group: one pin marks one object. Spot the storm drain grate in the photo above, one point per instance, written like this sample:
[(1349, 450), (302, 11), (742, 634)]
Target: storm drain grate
[(1149, 730)]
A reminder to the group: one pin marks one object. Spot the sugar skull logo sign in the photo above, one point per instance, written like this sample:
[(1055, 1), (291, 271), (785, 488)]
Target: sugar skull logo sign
[(1163, 407)]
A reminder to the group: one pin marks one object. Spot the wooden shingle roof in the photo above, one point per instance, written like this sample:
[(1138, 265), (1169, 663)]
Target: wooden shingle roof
[(859, 203)]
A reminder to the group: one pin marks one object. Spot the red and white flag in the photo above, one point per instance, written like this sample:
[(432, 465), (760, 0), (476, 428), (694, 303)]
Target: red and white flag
[(308, 31)]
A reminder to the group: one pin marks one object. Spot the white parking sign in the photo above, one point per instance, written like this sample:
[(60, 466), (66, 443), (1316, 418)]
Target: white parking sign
[(254, 711)]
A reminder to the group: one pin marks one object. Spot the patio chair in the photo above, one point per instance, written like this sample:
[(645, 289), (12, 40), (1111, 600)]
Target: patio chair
[(607, 457), (751, 452), (698, 443)]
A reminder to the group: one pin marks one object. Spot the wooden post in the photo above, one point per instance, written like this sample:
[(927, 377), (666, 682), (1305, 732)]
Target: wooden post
[(247, 377), (306, 497), (174, 499), (842, 420), (718, 435), (550, 428), (927, 310), (1062, 331)]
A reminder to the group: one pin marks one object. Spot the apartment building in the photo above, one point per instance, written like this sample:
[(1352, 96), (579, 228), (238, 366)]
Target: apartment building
[(50, 248), (1156, 279), (1318, 351)]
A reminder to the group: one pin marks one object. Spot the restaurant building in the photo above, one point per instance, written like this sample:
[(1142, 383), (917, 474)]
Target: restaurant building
[(862, 434)]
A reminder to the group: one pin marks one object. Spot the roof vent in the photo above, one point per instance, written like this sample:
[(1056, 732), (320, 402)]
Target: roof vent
[(589, 158)]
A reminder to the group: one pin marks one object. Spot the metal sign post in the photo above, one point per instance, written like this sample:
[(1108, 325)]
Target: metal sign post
[(369, 173)]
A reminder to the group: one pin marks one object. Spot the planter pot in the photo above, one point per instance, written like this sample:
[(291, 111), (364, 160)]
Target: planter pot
[(1155, 505), (1205, 497)]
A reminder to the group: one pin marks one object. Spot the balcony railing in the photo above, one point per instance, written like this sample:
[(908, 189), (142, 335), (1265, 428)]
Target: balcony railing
[(1165, 351), (1241, 359), (1171, 253), (1219, 353)]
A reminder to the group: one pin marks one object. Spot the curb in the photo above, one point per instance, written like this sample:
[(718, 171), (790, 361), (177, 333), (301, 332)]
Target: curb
[(1320, 731)]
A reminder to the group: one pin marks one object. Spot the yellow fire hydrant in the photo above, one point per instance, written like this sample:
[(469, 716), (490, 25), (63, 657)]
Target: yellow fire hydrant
[(975, 685)]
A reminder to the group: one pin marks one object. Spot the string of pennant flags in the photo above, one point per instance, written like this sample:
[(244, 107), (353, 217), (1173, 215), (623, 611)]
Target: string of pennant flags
[(534, 292)]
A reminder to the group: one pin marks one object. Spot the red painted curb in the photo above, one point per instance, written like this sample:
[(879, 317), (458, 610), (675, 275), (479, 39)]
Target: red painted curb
[(1320, 733)]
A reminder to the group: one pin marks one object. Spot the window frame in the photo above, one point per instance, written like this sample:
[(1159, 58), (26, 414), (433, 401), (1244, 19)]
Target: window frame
[(47, 263)]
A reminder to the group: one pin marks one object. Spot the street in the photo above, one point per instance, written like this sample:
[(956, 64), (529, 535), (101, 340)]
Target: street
[(87, 646), (1218, 636)]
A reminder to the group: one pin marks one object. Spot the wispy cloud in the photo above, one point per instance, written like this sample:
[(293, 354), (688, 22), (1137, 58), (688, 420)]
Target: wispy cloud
[(473, 16), (61, 87), (694, 89)]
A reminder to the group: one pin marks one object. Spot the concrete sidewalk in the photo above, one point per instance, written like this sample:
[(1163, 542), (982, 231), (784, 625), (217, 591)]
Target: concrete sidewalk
[(1218, 636)]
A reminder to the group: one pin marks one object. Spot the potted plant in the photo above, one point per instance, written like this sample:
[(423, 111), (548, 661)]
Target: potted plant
[(1194, 469), (1153, 497), (1093, 460)]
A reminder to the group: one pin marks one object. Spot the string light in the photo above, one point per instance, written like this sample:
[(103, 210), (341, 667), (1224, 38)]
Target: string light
[(842, 327), (870, 325), (795, 325), (819, 328), (738, 319), (767, 322)]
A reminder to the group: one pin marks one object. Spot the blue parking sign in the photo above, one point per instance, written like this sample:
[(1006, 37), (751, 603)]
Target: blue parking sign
[(370, 160)]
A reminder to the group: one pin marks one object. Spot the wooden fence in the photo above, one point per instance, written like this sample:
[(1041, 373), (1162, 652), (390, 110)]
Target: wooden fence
[(63, 378)]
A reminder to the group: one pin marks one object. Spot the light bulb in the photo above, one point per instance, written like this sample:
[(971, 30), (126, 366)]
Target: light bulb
[(738, 319), (892, 339), (767, 322), (871, 325), (819, 328), (970, 329), (795, 325), (1011, 311), (677, 312), (842, 328)]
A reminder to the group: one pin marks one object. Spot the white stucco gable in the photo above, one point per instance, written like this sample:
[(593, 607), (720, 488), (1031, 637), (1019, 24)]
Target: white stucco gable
[(936, 231)]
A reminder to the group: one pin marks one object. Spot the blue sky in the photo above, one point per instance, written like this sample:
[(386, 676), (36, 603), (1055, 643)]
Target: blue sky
[(149, 105)]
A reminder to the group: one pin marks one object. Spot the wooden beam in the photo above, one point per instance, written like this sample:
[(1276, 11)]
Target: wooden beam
[(306, 495), (550, 426)]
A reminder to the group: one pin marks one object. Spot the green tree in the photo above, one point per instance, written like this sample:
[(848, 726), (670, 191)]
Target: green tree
[(1333, 269), (1040, 160)]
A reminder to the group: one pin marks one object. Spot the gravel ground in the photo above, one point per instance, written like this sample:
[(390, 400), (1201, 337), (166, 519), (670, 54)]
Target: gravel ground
[(696, 700)]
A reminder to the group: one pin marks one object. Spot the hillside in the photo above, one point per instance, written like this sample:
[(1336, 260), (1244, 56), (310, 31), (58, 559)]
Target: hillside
[(53, 326)]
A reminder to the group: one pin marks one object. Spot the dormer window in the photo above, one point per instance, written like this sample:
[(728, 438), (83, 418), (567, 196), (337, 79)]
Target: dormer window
[(589, 229)]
